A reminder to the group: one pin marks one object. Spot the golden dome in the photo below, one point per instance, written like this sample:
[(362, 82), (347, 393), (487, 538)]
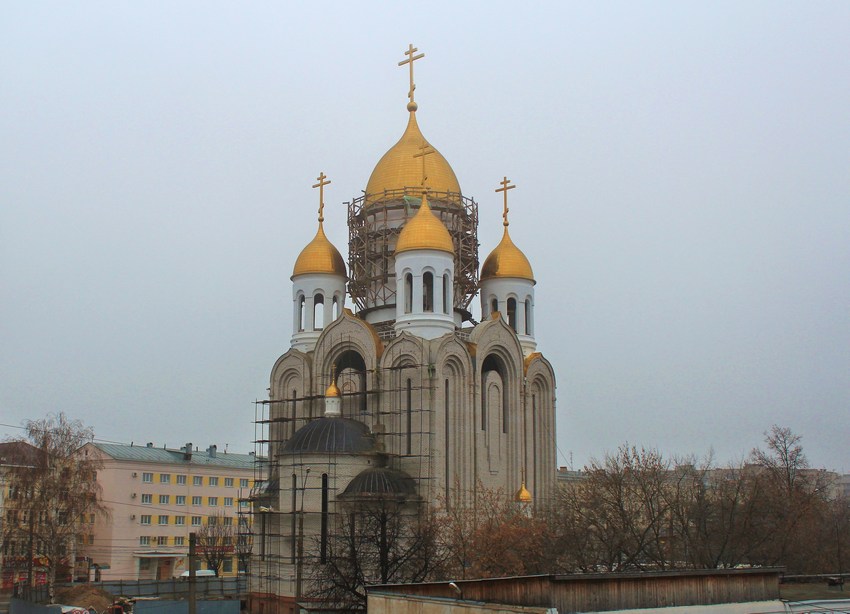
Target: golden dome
[(399, 168), (424, 231), (506, 261), (522, 495), (320, 256), (332, 390)]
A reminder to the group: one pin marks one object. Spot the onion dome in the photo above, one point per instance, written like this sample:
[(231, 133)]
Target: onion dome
[(522, 495), (424, 231), (381, 482), (320, 256), (506, 261), (399, 168), (331, 436), (332, 390)]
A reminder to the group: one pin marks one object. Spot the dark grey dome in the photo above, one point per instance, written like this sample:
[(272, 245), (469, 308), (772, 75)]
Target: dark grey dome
[(381, 482), (331, 436)]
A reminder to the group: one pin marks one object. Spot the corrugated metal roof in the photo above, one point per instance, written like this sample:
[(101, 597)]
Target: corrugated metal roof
[(176, 457)]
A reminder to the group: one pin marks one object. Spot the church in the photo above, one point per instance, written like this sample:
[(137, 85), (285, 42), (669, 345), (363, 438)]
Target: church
[(404, 395)]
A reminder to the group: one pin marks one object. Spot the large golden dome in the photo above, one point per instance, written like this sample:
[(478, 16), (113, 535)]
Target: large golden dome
[(424, 231), (399, 168), (320, 256), (506, 261)]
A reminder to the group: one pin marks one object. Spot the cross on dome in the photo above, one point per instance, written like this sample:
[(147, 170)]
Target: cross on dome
[(411, 106), (321, 185), (504, 189), (424, 150)]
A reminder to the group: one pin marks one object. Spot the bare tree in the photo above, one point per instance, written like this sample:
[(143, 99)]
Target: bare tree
[(383, 541), (215, 541), (58, 491)]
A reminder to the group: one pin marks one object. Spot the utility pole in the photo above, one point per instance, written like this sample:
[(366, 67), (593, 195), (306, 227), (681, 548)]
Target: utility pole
[(192, 587)]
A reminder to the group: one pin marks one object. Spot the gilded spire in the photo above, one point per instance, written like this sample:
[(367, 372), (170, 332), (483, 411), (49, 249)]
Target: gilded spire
[(332, 390), (424, 231), (411, 58), (522, 495), (320, 255)]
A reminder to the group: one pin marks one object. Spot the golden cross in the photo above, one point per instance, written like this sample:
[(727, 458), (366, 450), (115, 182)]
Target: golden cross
[(504, 189), (321, 185), (410, 60), (424, 150)]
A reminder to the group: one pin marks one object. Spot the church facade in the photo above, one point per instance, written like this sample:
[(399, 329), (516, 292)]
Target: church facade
[(404, 394)]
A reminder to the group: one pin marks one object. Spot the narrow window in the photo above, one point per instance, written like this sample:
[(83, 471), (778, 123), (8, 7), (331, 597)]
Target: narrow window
[(409, 416), (292, 519), (336, 308), (324, 529), (494, 306), (301, 305), (445, 293), (318, 312), (448, 431), (408, 293), (528, 316), (512, 313), (428, 292)]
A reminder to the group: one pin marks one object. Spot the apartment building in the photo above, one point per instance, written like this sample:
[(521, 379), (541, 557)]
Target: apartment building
[(156, 497)]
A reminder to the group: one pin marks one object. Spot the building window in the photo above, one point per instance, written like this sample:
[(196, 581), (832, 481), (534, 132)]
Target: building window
[(197, 480), (180, 499), (144, 540), (180, 521), (512, 313), (164, 499), (243, 483), (428, 291), (213, 481), (212, 501), (147, 478), (301, 304), (181, 480), (494, 305), (318, 312), (228, 521), (165, 478), (408, 293), (179, 540), (146, 519), (163, 519), (528, 316), (147, 499), (196, 500), (228, 565), (162, 540), (446, 293), (228, 482), (196, 521), (228, 502)]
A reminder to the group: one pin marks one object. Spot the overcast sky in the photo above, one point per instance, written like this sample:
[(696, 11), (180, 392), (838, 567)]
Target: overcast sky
[(683, 195)]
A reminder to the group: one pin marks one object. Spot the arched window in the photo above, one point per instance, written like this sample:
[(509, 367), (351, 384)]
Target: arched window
[(318, 312), (428, 292), (528, 316), (301, 313), (445, 293), (408, 293), (494, 306), (336, 308), (512, 313)]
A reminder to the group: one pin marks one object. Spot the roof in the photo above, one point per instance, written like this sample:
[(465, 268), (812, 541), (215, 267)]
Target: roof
[(381, 482), (331, 435), (151, 454)]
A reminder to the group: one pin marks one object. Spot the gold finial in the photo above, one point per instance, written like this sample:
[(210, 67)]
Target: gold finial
[(504, 189), (321, 185), (424, 150), (332, 390), (411, 106)]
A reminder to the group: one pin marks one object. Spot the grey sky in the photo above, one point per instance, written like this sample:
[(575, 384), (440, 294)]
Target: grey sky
[(682, 172)]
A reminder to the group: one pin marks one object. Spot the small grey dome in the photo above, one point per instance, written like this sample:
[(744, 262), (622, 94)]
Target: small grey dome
[(331, 436), (377, 482)]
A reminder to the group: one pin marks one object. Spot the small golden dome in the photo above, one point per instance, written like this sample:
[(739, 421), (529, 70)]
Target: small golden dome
[(399, 169), (320, 256), (424, 231), (506, 261), (332, 390), (522, 495)]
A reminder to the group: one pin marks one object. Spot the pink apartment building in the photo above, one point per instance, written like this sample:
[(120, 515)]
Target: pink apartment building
[(156, 497)]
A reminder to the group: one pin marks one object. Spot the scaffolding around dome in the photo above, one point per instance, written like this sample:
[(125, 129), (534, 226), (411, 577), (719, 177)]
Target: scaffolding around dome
[(374, 225)]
